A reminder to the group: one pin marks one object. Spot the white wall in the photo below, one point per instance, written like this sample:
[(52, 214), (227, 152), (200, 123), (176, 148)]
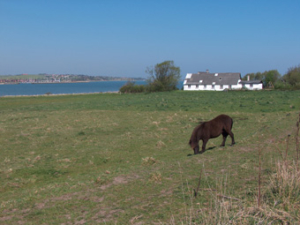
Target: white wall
[(254, 86), (194, 87), (200, 87)]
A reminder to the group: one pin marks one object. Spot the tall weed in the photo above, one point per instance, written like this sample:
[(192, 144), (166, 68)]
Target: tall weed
[(277, 202)]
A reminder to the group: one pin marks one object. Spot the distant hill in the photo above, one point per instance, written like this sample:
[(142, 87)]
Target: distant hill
[(54, 78)]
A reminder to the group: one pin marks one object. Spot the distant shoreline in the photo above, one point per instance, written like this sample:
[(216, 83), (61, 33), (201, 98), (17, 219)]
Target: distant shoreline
[(62, 94), (67, 82), (60, 78)]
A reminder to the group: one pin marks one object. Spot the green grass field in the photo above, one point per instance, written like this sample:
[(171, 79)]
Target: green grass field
[(125, 159)]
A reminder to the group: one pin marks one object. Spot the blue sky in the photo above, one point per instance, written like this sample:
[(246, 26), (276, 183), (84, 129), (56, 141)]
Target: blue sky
[(123, 38)]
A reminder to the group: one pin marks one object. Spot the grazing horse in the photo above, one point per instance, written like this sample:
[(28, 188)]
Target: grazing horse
[(222, 124)]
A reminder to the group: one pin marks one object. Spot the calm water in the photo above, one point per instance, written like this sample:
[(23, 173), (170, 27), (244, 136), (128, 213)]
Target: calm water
[(62, 88)]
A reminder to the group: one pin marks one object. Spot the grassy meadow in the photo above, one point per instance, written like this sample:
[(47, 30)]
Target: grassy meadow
[(125, 159)]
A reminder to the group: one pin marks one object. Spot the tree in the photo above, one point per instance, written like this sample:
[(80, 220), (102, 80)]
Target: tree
[(292, 77), (266, 77), (163, 77), (271, 76), (253, 76)]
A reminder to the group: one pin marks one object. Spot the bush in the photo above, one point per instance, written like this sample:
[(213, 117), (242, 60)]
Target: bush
[(293, 76), (286, 86), (154, 87), (282, 86), (157, 86), (130, 87)]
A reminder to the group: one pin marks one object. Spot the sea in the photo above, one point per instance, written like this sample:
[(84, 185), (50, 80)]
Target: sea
[(32, 89)]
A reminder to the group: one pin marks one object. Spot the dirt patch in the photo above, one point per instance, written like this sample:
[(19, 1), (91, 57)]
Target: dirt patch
[(65, 197), (132, 220), (97, 199), (40, 205), (105, 216), (83, 221), (116, 181), (166, 192), (246, 149), (5, 218), (12, 214), (119, 180)]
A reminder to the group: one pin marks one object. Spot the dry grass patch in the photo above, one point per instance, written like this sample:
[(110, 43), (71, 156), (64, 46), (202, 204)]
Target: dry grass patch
[(148, 161), (155, 177)]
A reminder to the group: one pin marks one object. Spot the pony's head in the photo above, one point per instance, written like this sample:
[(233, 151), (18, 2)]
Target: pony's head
[(195, 146)]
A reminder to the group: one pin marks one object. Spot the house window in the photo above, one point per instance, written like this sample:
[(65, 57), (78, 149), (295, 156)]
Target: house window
[(197, 86), (230, 86), (251, 85), (213, 86), (204, 86), (221, 86), (189, 86)]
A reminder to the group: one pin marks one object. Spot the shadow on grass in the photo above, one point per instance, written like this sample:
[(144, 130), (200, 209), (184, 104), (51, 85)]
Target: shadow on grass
[(208, 149), (211, 148)]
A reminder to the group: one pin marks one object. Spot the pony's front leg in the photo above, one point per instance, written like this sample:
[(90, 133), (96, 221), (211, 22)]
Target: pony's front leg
[(196, 150), (204, 145)]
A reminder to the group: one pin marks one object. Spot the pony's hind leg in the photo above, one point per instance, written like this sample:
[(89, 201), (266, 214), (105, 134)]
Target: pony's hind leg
[(232, 138), (225, 134), (228, 131)]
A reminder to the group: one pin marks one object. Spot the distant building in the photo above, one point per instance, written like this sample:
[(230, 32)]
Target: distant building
[(206, 81), (252, 84)]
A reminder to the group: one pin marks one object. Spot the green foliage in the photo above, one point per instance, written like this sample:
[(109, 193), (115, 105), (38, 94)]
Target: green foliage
[(164, 77), (292, 77), (271, 76), (280, 85), (290, 81), (254, 76), (131, 87)]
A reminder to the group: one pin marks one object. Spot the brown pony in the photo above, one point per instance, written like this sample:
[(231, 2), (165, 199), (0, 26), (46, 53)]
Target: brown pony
[(222, 124)]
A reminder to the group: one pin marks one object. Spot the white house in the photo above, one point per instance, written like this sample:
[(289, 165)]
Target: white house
[(252, 84), (217, 82)]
